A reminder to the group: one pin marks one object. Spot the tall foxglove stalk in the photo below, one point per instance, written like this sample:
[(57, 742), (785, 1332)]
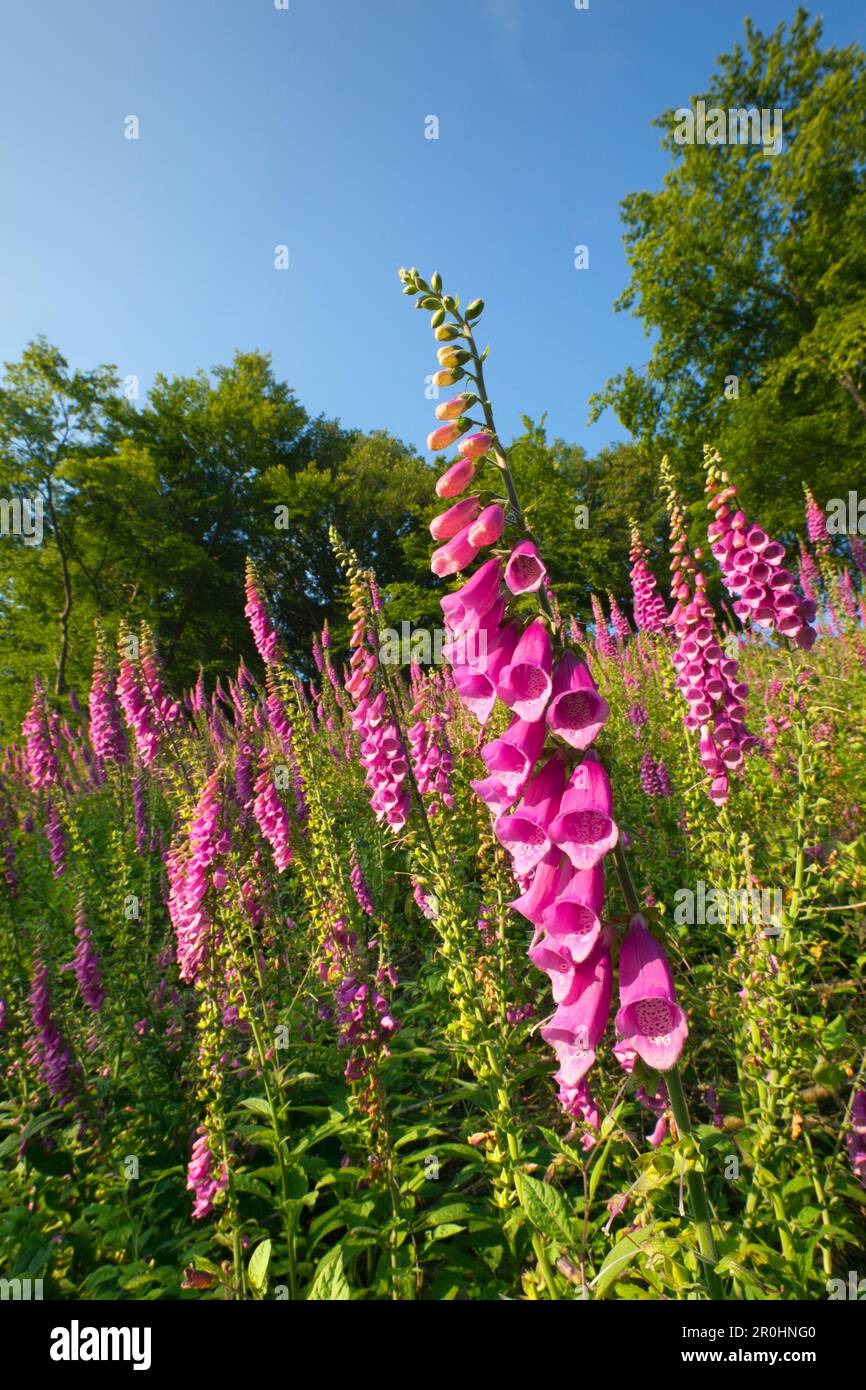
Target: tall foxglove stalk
[(560, 829)]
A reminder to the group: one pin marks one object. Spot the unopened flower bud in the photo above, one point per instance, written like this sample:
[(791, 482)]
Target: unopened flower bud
[(474, 445), (489, 526), (456, 479), (442, 437), (451, 410), (452, 356)]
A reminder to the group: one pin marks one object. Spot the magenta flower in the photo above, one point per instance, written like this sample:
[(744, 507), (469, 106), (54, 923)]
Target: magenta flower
[(816, 525), (575, 917), (549, 879), (465, 609), (456, 479), (584, 828), (525, 571), (856, 1139), (271, 816), (106, 723), (577, 712), (509, 760), (454, 555), (524, 833), (650, 614), (620, 622), (203, 1176), (526, 683), (489, 526), (649, 1018), (604, 643), (752, 569), (42, 767), (479, 683), (474, 445), (86, 964), (264, 633), (447, 524), (576, 1028)]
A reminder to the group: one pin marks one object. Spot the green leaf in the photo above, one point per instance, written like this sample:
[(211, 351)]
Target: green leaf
[(330, 1284), (259, 1106), (546, 1209), (257, 1269), (620, 1257)]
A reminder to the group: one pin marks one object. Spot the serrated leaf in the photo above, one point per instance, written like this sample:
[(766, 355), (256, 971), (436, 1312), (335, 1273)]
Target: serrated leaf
[(546, 1209)]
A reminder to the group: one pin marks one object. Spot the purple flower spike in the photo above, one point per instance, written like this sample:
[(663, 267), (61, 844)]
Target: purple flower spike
[(649, 1019)]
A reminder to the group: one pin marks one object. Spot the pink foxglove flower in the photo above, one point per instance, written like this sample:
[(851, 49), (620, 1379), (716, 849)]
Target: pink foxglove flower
[(42, 767), (454, 555), (650, 614), (509, 760), (448, 523), (204, 1176), (575, 1030), (473, 446), (526, 683), (577, 713), (106, 722), (604, 643), (816, 524), (264, 632), (456, 479), (752, 567), (585, 828), (856, 1138), (489, 526), (649, 1019), (525, 833), (525, 572)]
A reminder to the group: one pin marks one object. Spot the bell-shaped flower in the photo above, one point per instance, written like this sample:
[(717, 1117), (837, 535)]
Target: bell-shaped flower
[(465, 609), (549, 878), (526, 683), (577, 712), (447, 524), (576, 1028), (456, 554), (525, 571), (575, 917), (584, 828), (649, 1019), (510, 758), (456, 479), (524, 833)]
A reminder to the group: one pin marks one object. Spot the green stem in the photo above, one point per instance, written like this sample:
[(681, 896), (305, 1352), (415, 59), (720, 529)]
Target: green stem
[(698, 1199)]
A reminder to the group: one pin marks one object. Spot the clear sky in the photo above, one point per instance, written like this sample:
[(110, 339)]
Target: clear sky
[(305, 127)]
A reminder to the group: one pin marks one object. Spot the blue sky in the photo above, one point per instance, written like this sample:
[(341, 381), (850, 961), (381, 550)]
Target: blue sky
[(306, 127)]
